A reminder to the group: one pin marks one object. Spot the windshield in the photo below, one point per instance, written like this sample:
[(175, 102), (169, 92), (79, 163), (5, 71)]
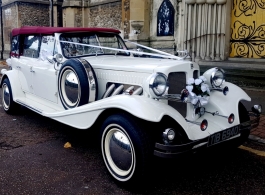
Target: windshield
[(78, 47)]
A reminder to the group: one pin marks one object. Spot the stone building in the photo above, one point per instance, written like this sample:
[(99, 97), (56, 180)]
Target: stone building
[(17, 13), (210, 30)]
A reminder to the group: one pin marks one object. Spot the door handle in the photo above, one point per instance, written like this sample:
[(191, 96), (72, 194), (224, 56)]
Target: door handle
[(31, 70)]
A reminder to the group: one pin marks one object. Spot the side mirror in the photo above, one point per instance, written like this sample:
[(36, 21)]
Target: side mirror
[(57, 58)]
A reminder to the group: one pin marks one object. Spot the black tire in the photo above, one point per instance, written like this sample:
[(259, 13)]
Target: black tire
[(9, 105), (75, 93), (125, 149), (243, 117)]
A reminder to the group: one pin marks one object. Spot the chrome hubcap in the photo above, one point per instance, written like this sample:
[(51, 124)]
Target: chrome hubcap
[(70, 88), (6, 97), (119, 153)]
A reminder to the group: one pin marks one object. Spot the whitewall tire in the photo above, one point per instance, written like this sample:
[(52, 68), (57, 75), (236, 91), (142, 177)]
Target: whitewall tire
[(9, 105), (76, 83), (125, 148)]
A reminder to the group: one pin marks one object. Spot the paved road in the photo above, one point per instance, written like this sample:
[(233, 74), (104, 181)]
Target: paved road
[(33, 160)]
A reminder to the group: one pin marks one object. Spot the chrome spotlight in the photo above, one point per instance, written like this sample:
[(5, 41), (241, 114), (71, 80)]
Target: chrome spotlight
[(200, 111), (169, 135), (217, 77)]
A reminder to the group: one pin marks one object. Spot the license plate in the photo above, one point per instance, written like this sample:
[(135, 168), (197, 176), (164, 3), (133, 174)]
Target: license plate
[(223, 135)]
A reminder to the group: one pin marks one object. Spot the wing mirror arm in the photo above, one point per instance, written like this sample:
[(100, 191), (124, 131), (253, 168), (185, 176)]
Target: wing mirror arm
[(50, 59), (57, 58)]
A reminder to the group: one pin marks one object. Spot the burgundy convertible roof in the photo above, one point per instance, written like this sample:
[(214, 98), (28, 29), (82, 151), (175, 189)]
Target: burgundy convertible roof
[(50, 30)]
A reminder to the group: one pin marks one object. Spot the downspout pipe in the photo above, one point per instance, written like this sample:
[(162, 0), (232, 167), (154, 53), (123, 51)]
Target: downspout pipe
[(51, 14), (2, 31)]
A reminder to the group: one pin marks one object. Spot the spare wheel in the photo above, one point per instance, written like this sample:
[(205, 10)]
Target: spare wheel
[(77, 83)]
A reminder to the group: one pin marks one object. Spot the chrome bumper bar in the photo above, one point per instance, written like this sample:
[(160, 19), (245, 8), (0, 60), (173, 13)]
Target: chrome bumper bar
[(175, 151)]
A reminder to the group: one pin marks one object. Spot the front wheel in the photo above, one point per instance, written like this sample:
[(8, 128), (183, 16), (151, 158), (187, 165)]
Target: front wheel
[(125, 148), (243, 117)]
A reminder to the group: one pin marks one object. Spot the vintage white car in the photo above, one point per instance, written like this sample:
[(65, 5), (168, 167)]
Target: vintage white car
[(142, 103)]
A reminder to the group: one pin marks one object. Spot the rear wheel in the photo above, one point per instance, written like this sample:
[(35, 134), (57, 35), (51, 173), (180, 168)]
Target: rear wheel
[(9, 105), (125, 148)]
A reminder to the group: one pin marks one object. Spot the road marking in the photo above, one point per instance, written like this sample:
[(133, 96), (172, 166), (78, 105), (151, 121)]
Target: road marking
[(257, 152)]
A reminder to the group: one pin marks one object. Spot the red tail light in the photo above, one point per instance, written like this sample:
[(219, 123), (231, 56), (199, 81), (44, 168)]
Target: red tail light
[(231, 118), (204, 125)]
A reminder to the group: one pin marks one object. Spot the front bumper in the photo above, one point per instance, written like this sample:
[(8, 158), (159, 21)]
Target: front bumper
[(174, 151)]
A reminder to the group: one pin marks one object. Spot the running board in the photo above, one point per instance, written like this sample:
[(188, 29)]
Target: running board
[(37, 106), (29, 107)]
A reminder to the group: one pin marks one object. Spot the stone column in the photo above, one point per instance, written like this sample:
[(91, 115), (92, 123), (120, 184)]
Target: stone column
[(75, 13), (126, 18), (140, 21)]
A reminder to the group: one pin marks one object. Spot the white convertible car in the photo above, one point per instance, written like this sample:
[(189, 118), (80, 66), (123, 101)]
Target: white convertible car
[(143, 102)]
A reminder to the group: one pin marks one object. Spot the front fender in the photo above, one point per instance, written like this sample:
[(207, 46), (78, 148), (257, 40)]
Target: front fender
[(12, 75), (225, 105), (141, 107)]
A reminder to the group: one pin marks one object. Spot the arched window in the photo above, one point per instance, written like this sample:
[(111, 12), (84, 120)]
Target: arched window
[(165, 19)]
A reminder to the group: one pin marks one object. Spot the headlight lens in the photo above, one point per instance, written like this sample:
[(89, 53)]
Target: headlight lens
[(158, 84), (217, 77)]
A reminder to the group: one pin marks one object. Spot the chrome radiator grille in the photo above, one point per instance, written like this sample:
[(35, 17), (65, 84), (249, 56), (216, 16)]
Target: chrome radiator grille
[(177, 82)]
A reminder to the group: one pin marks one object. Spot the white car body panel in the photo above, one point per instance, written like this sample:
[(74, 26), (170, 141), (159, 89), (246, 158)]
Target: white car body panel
[(151, 110), (40, 92), (140, 103)]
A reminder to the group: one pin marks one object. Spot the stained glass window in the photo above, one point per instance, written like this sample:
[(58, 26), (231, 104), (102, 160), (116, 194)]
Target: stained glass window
[(165, 19)]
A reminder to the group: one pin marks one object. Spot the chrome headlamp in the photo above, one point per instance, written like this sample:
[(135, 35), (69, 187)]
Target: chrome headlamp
[(217, 77), (158, 84), (169, 135)]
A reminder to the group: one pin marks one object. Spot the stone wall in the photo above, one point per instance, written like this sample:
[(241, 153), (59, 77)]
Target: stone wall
[(106, 15), (33, 14), (19, 14), (9, 22)]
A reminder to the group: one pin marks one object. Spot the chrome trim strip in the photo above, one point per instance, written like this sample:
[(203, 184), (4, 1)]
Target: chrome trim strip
[(30, 107), (216, 114), (108, 91), (118, 90), (138, 91), (91, 80)]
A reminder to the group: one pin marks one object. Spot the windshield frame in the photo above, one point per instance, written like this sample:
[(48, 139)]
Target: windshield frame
[(97, 35)]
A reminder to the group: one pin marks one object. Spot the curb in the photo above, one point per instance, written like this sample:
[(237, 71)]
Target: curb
[(256, 139)]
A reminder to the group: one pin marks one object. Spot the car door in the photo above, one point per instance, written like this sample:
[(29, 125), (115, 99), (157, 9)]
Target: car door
[(25, 62), (44, 79)]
